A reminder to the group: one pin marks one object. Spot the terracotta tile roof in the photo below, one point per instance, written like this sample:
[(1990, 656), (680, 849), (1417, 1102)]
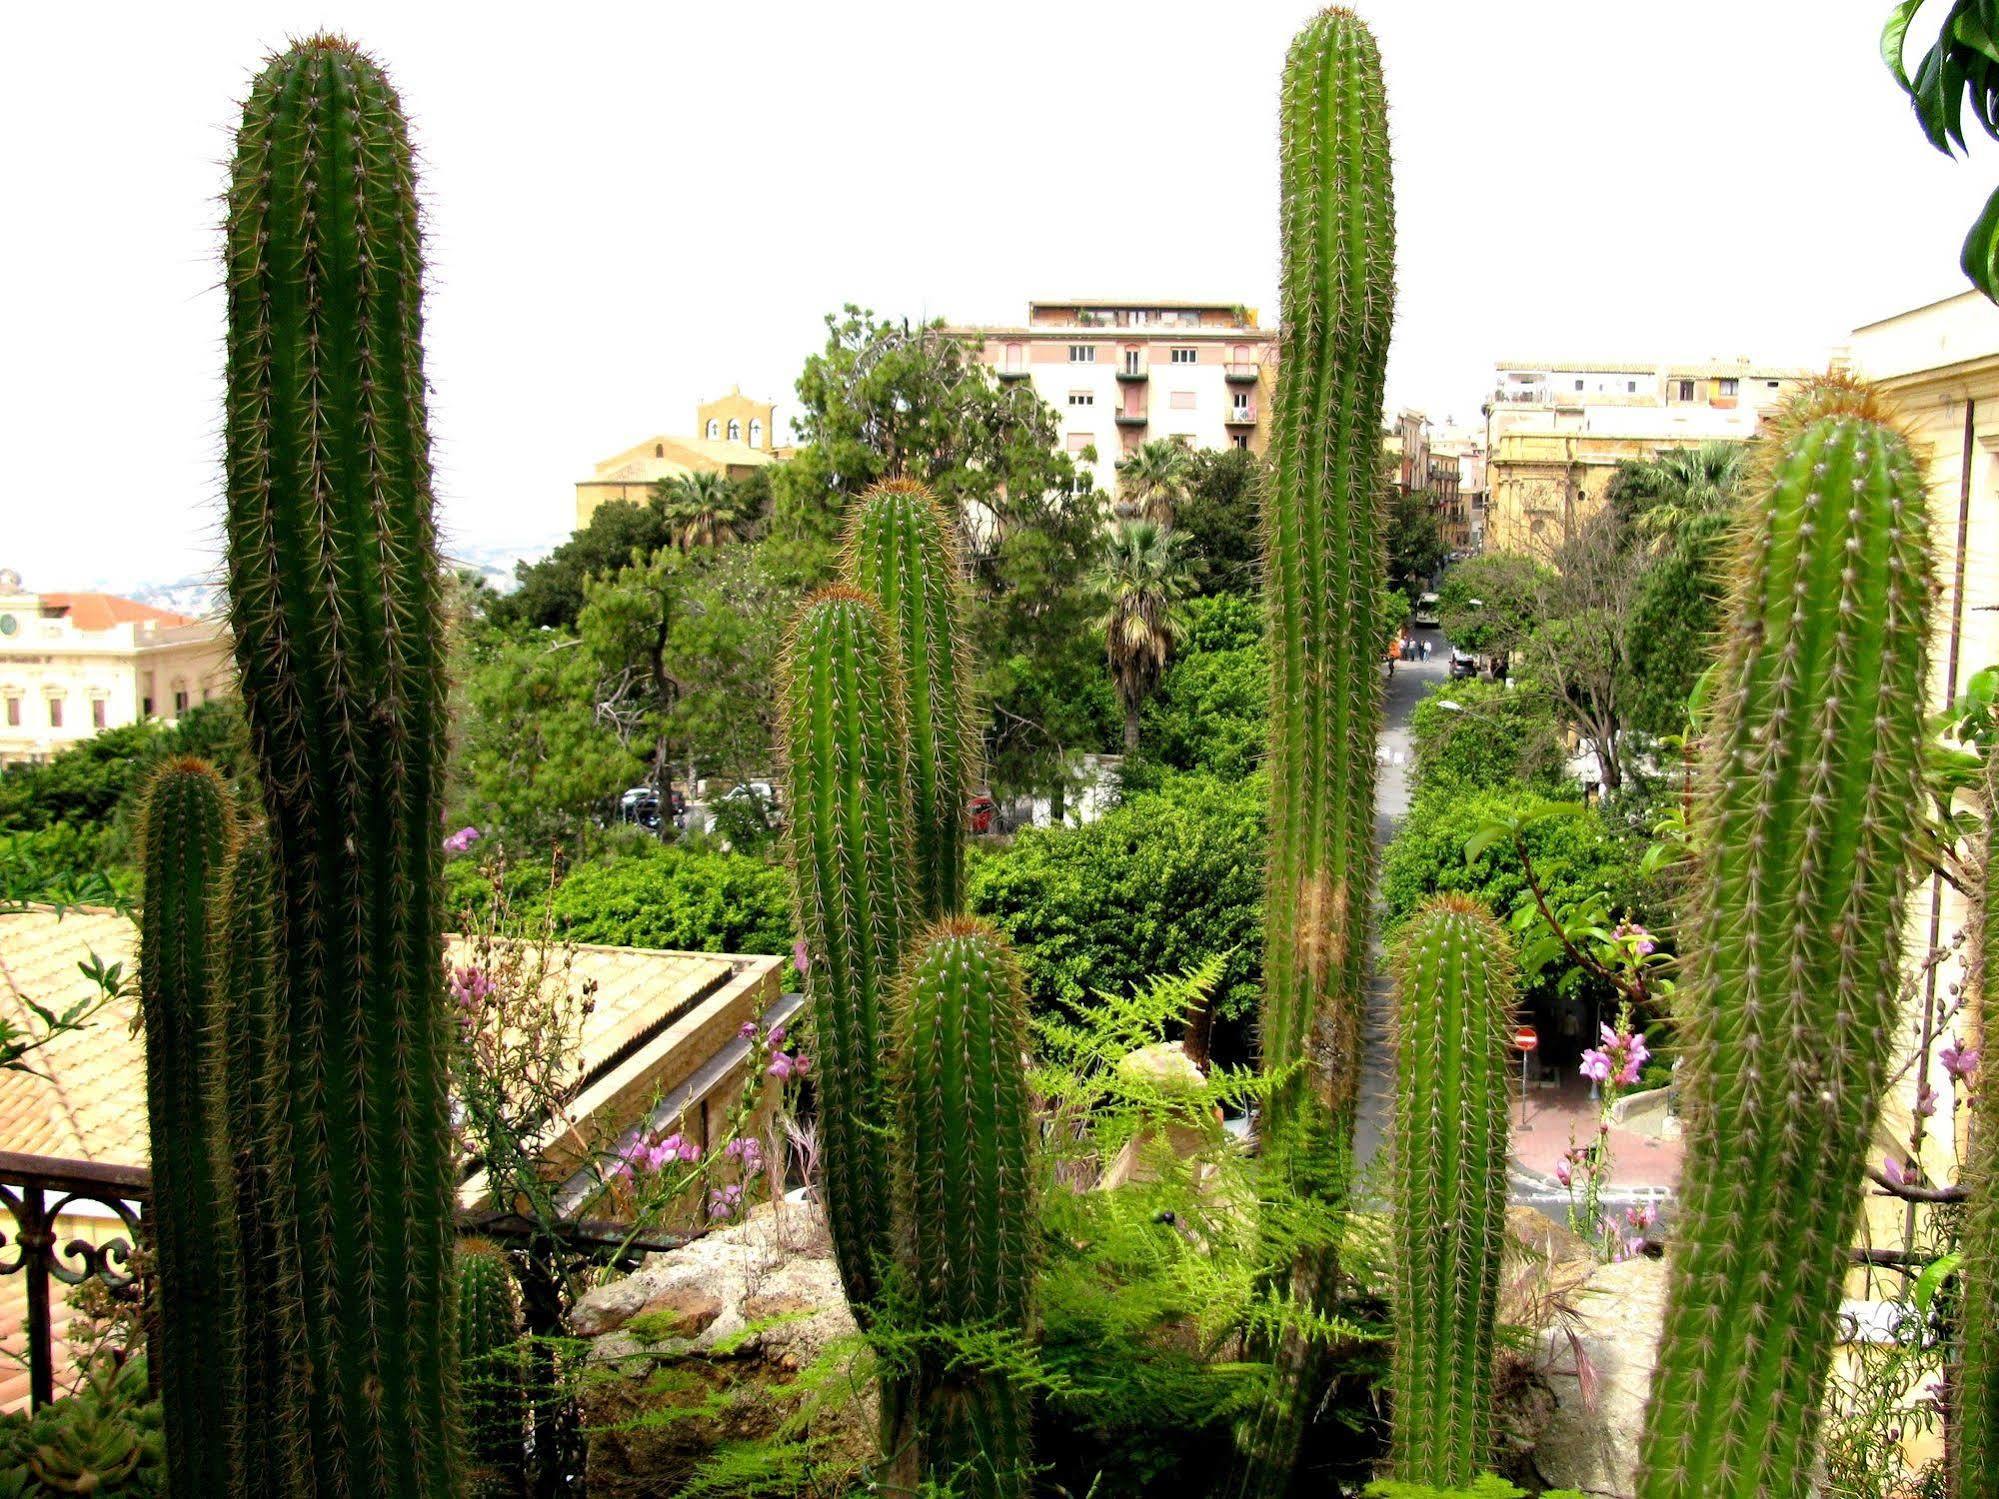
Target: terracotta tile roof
[(91, 1103), (101, 611)]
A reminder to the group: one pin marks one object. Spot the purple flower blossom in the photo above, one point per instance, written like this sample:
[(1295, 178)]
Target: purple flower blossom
[(1562, 1173), (1620, 1056), (725, 1202), (1926, 1101), (748, 1151), (469, 985), (780, 1067), (800, 958), (748, 1030), (461, 841), (679, 1147), (1959, 1060), (1596, 1066), (1642, 941), (1895, 1172), (777, 1035)]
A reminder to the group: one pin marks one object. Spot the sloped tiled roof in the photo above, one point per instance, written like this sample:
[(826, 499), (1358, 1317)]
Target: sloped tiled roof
[(90, 1103), (102, 611)]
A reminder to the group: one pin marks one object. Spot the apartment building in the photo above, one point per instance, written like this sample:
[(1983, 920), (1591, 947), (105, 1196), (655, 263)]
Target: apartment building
[(1121, 372), (733, 435), (72, 664), (1556, 431)]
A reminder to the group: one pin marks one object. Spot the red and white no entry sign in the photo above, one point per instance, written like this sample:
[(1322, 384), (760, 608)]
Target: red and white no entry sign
[(1526, 1038)]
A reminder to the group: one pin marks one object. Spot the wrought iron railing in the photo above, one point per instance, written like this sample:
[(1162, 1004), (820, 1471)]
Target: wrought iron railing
[(39, 1191)]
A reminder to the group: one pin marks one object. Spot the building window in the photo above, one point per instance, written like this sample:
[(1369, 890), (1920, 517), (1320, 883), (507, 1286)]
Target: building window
[(1186, 356), (1082, 353), (1686, 390), (735, 430), (13, 713), (756, 432), (55, 712), (1241, 402), (146, 706), (1081, 440), (1082, 398), (1241, 440), (1183, 400), (659, 450), (1631, 387), (1131, 364), (1728, 387), (714, 429), (1014, 354), (1769, 384), (97, 713)]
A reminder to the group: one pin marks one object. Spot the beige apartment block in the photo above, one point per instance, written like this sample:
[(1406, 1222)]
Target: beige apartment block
[(1938, 365), (73, 664), (1556, 431), (733, 435), (1119, 373)]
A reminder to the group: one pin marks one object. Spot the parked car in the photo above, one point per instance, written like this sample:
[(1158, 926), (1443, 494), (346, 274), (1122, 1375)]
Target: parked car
[(640, 805), (983, 812), (1463, 665)]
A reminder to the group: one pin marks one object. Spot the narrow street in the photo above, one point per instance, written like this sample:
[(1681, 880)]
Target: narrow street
[(1643, 1168)]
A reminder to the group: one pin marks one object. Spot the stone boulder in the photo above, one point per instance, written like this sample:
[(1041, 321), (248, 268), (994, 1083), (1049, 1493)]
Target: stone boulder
[(702, 1347), (1597, 1362)]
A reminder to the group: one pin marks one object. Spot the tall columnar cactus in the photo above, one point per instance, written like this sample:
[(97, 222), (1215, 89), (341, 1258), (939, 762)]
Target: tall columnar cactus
[(845, 746), (489, 1350), (333, 602), (964, 1208), (1810, 796), (269, 1394), (1324, 559), (902, 550), (188, 832), (1454, 1007), (1972, 1437)]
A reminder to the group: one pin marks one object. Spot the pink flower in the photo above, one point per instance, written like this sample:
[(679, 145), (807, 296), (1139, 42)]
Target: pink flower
[(1897, 1175), (1596, 1066), (800, 1064), (1926, 1101), (724, 1202), (1636, 1055), (800, 958), (461, 841), (748, 1030), (1959, 1060), (678, 1147), (780, 1067), (777, 1035), (1562, 1172), (469, 985), (749, 1152)]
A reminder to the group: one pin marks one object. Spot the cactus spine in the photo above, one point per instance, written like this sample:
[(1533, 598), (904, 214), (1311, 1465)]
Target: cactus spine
[(964, 1206), (268, 1394), (188, 831), (333, 584), (1323, 558), (1973, 1432), (1810, 799), (1454, 1006), (902, 551), (489, 1351), (846, 751)]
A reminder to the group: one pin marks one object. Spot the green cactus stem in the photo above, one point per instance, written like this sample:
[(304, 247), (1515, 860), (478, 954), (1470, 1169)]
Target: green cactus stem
[(1972, 1434), (902, 551), (1454, 1011), (334, 605), (1810, 797), (188, 833), (490, 1355), (269, 1395), (965, 1220), (845, 746), (1324, 557)]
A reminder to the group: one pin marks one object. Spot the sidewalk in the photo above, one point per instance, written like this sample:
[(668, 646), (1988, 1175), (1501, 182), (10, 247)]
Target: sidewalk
[(1558, 1117)]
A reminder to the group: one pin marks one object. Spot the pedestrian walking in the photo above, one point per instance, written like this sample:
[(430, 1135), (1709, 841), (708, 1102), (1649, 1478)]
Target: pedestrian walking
[(1425, 648)]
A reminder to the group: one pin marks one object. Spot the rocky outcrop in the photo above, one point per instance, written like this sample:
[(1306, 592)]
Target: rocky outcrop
[(702, 1350), (1597, 1361)]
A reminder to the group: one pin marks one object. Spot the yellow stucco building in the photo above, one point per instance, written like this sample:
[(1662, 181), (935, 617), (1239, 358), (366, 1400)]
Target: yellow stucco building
[(733, 436)]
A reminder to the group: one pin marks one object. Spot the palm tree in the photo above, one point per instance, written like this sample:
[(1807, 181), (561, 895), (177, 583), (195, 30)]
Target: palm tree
[(1153, 480), (1143, 576), (703, 510), (1684, 491)]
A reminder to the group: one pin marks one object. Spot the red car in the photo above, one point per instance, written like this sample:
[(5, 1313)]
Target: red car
[(983, 811)]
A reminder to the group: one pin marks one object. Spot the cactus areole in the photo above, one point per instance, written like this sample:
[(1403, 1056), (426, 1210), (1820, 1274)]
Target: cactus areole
[(1454, 999), (1809, 802), (334, 606)]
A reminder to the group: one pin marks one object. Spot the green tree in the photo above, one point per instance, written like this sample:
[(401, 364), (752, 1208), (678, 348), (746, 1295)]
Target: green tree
[(1143, 577), (1489, 604), (1680, 492), (1212, 710), (549, 594), (1219, 516), (1485, 736), (626, 627), (1415, 539), (705, 510), (1153, 480)]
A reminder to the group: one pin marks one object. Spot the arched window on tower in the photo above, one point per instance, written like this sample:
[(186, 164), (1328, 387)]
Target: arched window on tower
[(714, 429), (735, 430), (756, 432)]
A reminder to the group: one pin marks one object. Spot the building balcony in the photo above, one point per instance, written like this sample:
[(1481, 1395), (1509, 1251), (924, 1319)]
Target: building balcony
[(1018, 374), (1131, 418), (1241, 374), (1241, 416), (1133, 377)]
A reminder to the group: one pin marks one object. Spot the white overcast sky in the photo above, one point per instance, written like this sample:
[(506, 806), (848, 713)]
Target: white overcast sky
[(635, 206)]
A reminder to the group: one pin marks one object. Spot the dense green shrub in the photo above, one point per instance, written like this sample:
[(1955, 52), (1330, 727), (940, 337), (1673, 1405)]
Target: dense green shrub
[(1576, 853), (694, 902), (1494, 737), (1211, 712), (1152, 887), (63, 854), (104, 1439)]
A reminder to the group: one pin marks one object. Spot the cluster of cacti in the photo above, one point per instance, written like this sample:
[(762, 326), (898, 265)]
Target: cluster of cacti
[(1973, 1441), (1323, 559), (1809, 804), (253, 1132), (964, 1207), (902, 551), (490, 1352), (188, 834), (846, 754), (1454, 998)]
